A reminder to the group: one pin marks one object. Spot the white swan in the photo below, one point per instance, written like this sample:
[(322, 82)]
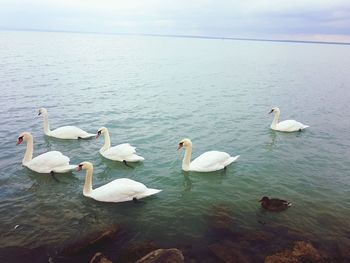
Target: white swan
[(206, 162), (122, 152), (48, 162), (287, 125), (64, 132), (119, 190)]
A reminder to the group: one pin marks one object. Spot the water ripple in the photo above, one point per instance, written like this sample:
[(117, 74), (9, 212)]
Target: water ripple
[(151, 93)]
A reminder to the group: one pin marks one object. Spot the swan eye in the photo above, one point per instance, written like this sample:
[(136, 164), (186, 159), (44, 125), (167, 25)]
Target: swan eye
[(181, 144), (80, 166)]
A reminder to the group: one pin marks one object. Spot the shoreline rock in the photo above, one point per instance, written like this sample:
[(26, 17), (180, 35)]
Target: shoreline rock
[(302, 251), (171, 255)]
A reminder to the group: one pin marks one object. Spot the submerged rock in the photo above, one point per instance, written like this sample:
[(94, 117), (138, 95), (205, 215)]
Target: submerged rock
[(171, 255), (301, 252), (90, 240), (228, 251), (23, 255), (137, 250), (221, 221), (99, 258)]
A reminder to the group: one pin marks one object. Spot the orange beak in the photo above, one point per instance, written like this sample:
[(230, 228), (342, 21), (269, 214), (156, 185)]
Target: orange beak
[(19, 141)]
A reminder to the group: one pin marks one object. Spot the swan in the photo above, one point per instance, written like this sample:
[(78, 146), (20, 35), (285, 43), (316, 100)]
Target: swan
[(122, 152), (119, 190), (64, 132), (287, 125), (206, 162), (49, 162)]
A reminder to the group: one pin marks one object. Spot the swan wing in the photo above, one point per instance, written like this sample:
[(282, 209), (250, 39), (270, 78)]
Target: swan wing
[(70, 132), (49, 161), (290, 126), (121, 190), (211, 161), (122, 152)]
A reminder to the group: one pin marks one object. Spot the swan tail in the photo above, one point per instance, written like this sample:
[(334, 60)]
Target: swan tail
[(150, 191), (87, 136), (65, 169), (135, 158), (231, 160), (305, 126)]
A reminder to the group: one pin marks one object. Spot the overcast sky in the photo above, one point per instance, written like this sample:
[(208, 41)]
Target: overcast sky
[(327, 20)]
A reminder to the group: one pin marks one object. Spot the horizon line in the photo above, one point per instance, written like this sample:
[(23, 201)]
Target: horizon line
[(250, 39), (183, 36)]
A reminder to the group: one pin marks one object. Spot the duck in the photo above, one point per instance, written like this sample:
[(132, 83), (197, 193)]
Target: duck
[(49, 162), (287, 125), (119, 190), (274, 204), (207, 162), (64, 132), (122, 152)]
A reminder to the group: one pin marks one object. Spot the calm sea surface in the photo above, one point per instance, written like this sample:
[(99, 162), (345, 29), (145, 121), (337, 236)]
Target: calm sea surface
[(154, 91)]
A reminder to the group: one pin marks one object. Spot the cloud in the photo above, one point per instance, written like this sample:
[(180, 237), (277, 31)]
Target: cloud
[(229, 18)]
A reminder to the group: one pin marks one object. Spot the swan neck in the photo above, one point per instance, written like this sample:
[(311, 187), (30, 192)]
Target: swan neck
[(28, 156), (275, 120), (46, 124), (187, 158), (88, 182), (107, 143)]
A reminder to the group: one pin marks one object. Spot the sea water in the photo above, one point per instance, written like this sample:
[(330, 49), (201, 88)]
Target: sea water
[(154, 91)]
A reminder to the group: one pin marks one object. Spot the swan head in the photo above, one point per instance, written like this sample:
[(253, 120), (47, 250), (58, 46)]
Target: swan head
[(184, 143), (275, 110), (100, 131), (85, 166), (42, 111), (24, 136)]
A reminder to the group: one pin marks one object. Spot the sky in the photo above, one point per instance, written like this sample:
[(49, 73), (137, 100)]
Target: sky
[(313, 20)]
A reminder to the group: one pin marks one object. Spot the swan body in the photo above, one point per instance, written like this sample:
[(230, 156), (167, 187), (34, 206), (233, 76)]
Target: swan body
[(48, 162), (64, 132), (206, 162), (119, 190), (287, 125), (121, 152)]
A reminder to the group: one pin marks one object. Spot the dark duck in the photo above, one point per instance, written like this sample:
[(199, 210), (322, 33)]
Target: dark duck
[(274, 204)]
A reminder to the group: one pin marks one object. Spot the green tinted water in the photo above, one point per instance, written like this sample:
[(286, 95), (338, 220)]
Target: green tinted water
[(152, 92)]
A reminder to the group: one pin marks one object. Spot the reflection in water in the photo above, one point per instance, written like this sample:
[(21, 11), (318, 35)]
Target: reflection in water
[(55, 144), (48, 179), (274, 139), (187, 183), (47, 142), (119, 165)]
